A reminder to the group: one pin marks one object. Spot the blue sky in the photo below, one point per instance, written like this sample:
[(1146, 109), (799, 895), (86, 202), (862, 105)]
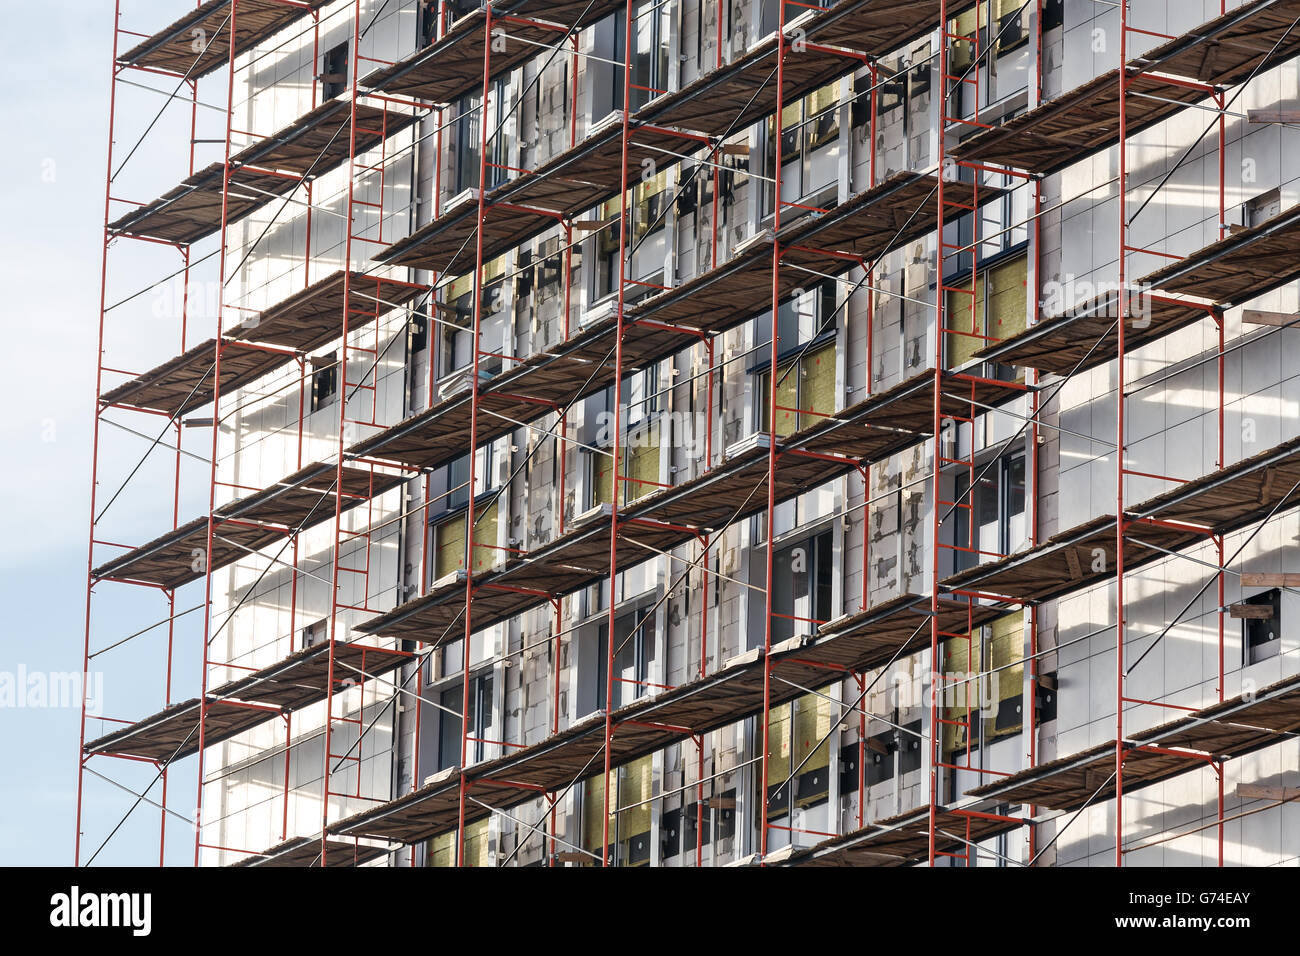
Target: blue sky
[(52, 168), (49, 243)]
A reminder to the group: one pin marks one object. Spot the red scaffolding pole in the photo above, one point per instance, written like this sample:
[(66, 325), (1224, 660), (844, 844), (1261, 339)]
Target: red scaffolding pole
[(948, 461), (1126, 76), (234, 38)]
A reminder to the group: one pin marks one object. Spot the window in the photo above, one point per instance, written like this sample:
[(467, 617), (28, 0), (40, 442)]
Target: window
[(480, 720), (417, 336), (313, 634), (324, 380), (334, 72), (650, 75), (480, 715), (629, 816), (998, 22), (997, 310), (650, 32), (801, 583), (468, 138), (641, 395), (607, 249), (451, 483), (640, 437), (633, 654), (450, 492), (1001, 222), (646, 246), (810, 130), (1261, 637), (1011, 29), (994, 699), (770, 12), (449, 727), (650, 64), (457, 314), (649, 204), (806, 361), (998, 507)]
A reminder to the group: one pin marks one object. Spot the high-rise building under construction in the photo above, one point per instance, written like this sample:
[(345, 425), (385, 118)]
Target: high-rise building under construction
[(698, 433)]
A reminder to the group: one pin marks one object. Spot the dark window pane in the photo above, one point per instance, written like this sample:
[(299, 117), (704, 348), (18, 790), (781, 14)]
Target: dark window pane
[(449, 729), (1016, 486)]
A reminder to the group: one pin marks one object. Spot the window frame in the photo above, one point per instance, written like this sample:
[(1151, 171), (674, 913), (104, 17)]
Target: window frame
[(453, 501), (1008, 255), (1003, 469), (1251, 645), (482, 704), (330, 67), (647, 418), (791, 325), (802, 151), (642, 654), (820, 547), (324, 381)]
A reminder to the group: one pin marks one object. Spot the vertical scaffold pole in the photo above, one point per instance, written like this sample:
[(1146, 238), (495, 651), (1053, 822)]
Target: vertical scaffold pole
[(616, 482)]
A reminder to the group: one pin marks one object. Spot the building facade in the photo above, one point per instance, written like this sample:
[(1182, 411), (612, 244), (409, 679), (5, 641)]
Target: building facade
[(499, 426)]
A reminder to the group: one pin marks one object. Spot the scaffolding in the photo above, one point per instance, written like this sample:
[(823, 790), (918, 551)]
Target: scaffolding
[(976, 161), (343, 306)]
